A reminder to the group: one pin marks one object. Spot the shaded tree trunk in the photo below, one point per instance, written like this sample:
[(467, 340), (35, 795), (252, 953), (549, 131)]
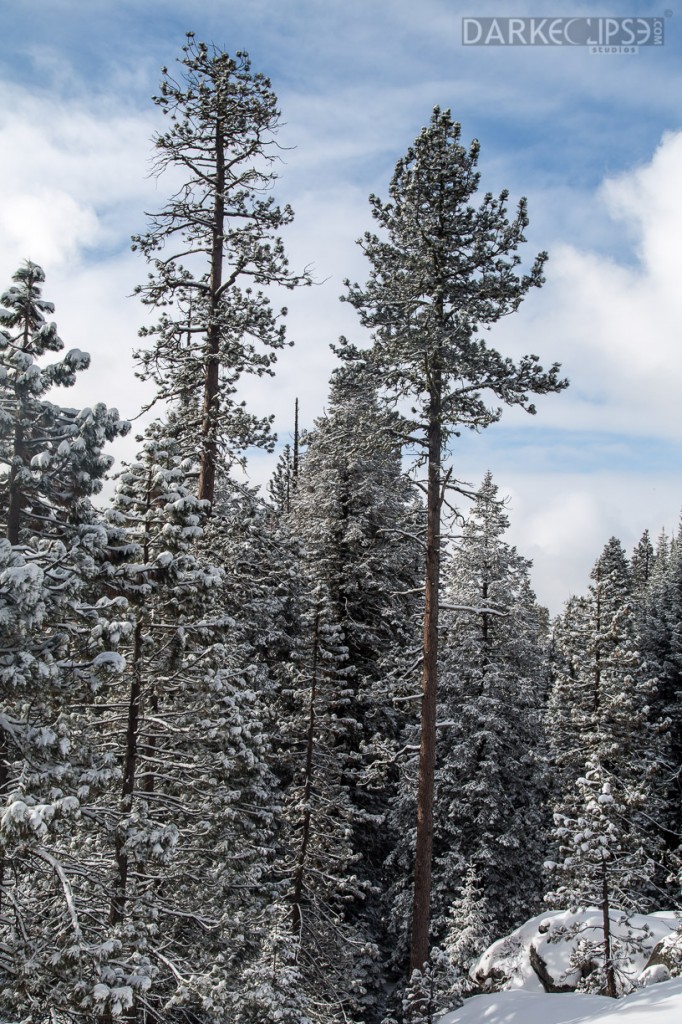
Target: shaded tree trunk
[(296, 916), (608, 959)]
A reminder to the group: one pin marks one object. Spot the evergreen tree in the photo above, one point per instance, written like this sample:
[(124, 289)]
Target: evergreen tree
[(606, 832), (491, 772), (470, 927), (358, 569), (445, 270), (192, 825), (53, 657), (661, 623), (212, 249), (642, 565), (50, 457)]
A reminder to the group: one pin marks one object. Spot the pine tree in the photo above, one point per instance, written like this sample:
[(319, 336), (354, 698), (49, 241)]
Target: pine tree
[(446, 271), (212, 249)]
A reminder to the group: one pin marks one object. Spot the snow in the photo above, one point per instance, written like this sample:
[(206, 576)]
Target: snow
[(555, 934), (111, 661), (660, 1003)]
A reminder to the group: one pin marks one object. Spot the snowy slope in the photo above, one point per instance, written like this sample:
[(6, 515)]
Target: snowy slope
[(658, 1004)]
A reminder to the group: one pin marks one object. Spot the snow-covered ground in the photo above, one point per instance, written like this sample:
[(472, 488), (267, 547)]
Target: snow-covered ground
[(657, 1004)]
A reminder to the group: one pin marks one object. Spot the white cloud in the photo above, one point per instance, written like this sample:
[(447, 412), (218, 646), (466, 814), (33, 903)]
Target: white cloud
[(613, 321), (72, 177)]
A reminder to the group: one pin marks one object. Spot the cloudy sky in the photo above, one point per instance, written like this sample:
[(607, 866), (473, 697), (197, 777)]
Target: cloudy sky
[(594, 140)]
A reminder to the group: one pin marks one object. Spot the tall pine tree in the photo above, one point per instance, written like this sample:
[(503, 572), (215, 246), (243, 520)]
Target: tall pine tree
[(443, 271), (212, 249)]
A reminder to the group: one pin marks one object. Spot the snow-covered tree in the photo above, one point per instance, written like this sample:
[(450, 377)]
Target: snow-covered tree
[(50, 457), (642, 564), (470, 926), (212, 250), (661, 626), (443, 271), (491, 770), (50, 663), (190, 832), (607, 846), (357, 573)]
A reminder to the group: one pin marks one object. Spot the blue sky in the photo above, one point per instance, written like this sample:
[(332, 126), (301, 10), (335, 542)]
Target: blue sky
[(593, 140)]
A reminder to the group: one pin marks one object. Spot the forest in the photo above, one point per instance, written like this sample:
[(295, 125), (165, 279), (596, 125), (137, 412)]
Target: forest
[(302, 755)]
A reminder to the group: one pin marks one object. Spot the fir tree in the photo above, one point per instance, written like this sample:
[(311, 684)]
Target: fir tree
[(50, 457), (661, 624), (358, 570), (53, 657)]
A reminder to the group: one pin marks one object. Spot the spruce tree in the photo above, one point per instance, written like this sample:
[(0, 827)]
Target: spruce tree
[(443, 271), (213, 249), (661, 625)]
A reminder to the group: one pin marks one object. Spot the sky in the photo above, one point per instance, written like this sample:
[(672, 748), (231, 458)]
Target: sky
[(592, 139)]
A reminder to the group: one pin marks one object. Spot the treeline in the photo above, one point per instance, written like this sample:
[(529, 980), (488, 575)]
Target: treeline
[(214, 753)]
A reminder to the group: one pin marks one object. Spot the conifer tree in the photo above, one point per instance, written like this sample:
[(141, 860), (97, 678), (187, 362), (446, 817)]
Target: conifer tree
[(192, 826), (661, 624), (358, 567), (491, 772), (642, 565), (443, 271), (53, 657), (50, 457), (212, 249), (607, 845)]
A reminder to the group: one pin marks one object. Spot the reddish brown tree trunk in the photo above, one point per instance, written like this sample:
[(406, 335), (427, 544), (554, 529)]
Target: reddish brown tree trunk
[(209, 423), (421, 911)]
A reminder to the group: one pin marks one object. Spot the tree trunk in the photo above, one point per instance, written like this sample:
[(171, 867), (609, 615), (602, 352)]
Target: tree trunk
[(296, 916), (4, 785), (209, 424), (296, 445), (117, 908), (16, 498), (419, 952), (608, 959)]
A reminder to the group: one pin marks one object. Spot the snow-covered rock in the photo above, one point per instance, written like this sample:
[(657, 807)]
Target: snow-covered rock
[(554, 952)]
